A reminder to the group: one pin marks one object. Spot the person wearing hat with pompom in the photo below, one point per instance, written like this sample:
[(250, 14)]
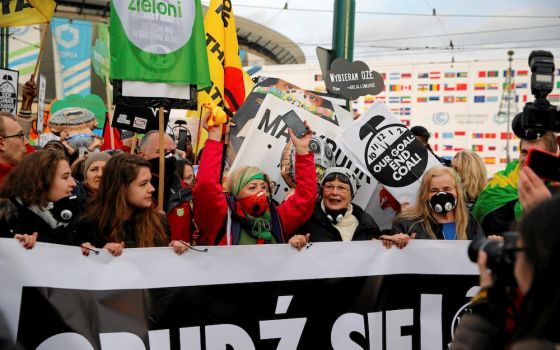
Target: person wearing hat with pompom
[(335, 217)]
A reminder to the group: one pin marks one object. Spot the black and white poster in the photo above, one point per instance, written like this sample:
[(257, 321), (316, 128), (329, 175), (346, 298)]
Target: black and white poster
[(9, 91), (382, 146), (341, 296), (266, 136)]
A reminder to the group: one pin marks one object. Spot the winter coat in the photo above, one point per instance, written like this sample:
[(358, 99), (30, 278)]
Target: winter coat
[(18, 218), (476, 332), (322, 230), (410, 226), (211, 205), (90, 233)]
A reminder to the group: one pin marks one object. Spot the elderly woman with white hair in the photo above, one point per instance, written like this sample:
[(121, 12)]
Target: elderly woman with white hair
[(335, 217)]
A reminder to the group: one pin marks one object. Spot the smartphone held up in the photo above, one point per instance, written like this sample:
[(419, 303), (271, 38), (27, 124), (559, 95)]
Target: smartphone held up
[(294, 122)]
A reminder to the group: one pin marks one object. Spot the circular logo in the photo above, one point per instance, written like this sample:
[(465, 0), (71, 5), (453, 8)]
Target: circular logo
[(394, 156), (158, 26), (8, 95), (440, 118)]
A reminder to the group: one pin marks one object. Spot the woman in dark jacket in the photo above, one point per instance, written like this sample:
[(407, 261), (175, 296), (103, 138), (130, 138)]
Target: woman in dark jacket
[(335, 217), (36, 201), (440, 211), (122, 213)]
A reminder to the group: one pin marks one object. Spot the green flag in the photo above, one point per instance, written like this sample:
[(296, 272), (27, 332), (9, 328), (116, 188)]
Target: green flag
[(501, 189), (159, 41)]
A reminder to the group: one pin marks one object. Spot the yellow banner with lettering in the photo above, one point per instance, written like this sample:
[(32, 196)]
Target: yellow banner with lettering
[(26, 12)]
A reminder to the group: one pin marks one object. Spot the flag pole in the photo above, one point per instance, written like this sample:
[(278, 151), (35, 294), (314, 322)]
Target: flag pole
[(109, 109), (134, 143), (198, 134), (161, 161), (26, 104)]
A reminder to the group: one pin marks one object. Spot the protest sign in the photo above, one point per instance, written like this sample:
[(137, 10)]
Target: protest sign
[(266, 136), (353, 79), (350, 295), (138, 119), (381, 146), (41, 102), (9, 91), (321, 105)]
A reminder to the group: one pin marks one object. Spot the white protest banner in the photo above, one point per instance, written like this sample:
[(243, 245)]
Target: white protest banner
[(382, 146), (9, 91), (350, 295), (266, 136), (41, 102)]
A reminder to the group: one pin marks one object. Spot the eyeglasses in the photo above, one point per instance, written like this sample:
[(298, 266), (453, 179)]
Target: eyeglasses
[(21, 136), (341, 189)]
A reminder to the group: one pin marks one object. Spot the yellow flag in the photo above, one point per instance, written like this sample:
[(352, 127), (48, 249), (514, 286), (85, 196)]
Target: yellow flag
[(230, 84), (26, 12)]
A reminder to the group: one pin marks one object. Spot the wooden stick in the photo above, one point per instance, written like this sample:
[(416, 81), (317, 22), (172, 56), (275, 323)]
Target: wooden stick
[(198, 134), (134, 143), (26, 105), (161, 160), (109, 109)]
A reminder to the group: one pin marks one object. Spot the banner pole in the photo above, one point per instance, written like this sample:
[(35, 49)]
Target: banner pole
[(109, 109), (198, 135), (134, 143), (161, 161), (26, 104)]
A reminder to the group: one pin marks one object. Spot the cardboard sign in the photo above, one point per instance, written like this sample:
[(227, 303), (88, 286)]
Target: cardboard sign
[(143, 94), (41, 102), (353, 79), (382, 146), (137, 118), (9, 91), (267, 135)]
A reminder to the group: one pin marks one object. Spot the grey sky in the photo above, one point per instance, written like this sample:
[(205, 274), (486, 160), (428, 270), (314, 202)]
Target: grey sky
[(379, 37)]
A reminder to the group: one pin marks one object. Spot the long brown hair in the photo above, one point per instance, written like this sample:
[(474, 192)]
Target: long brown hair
[(109, 207), (32, 178), (421, 211)]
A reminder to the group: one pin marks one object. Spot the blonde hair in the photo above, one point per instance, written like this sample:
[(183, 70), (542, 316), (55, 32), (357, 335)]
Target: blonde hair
[(422, 213), (472, 172), (238, 179)]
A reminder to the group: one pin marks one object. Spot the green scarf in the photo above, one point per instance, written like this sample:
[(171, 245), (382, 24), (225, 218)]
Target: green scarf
[(243, 182), (254, 228)]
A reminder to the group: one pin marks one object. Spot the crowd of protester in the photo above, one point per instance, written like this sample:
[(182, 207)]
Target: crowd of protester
[(108, 200)]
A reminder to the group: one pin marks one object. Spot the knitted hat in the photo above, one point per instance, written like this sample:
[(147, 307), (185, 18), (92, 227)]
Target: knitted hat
[(344, 172), (95, 157)]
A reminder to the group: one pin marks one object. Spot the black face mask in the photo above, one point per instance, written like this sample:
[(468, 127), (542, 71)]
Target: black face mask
[(169, 165), (442, 202), (65, 209)]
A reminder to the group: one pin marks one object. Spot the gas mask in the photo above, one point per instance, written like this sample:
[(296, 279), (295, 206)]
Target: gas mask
[(65, 209), (254, 205), (443, 202)]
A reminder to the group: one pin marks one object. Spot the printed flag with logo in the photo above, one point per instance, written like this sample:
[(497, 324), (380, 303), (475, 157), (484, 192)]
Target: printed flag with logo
[(22, 13), (159, 41)]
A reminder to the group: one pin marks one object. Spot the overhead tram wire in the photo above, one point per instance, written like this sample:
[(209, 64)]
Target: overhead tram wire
[(400, 13)]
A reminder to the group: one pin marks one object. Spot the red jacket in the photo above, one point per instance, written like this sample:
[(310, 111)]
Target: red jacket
[(211, 204)]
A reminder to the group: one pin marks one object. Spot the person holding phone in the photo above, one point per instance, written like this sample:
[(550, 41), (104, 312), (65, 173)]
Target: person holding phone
[(246, 214), (498, 206)]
